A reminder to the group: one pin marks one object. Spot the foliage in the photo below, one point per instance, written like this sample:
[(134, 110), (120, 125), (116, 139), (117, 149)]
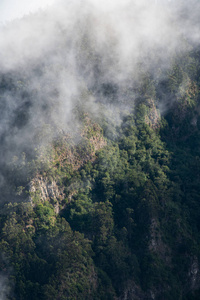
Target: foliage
[(130, 211)]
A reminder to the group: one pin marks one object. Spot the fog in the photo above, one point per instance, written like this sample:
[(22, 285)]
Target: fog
[(11, 9), (81, 53)]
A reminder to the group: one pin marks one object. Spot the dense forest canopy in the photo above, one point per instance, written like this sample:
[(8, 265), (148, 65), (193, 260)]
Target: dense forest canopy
[(100, 152)]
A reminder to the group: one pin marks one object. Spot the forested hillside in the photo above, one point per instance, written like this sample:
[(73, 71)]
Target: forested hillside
[(100, 158)]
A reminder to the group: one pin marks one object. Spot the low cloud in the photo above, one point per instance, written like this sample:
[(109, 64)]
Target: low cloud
[(76, 52)]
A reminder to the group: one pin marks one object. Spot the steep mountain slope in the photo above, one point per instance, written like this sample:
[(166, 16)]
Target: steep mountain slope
[(100, 157)]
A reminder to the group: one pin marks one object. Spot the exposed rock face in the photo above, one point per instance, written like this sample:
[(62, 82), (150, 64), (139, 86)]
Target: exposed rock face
[(184, 112), (153, 117), (47, 191), (48, 188), (156, 244), (93, 132), (133, 292), (194, 274)]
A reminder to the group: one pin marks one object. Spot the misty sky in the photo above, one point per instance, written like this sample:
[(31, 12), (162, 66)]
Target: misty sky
[(12, 9)]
